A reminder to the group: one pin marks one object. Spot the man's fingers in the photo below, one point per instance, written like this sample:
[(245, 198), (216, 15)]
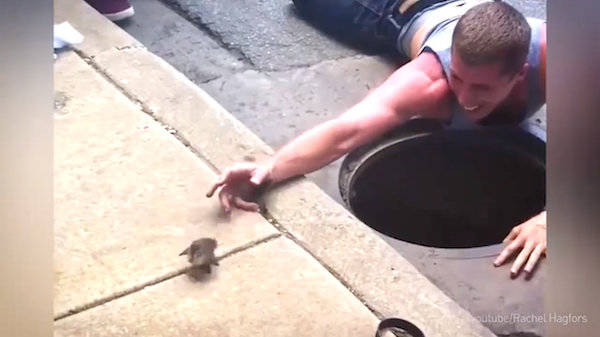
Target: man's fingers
[(228, 200), (521, 258), (500, 259), (214, 188), (222, 179), (232, 174), (225, 199), (534, 257), (513, 234), (507, 251), (245, 205)]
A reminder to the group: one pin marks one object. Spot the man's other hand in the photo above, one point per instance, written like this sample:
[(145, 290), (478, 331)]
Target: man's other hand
[(239, 183), (531, 237)]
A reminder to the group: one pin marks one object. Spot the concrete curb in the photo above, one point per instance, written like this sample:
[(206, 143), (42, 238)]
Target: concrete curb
[(174, 100), (382, 279)]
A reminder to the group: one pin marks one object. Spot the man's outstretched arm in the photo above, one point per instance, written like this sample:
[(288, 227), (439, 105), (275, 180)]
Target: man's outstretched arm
[(415, 88)]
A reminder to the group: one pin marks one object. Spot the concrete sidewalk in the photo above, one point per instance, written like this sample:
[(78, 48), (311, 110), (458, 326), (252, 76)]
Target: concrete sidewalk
[(136, 148)]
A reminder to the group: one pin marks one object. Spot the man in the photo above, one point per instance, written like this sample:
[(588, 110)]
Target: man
[(486, 68)]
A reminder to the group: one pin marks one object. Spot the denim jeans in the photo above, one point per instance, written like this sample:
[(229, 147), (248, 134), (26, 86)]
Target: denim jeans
[(373, 23)]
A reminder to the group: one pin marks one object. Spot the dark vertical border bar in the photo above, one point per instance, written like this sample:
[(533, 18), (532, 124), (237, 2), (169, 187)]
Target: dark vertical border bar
[(572, 295), (26, 185)]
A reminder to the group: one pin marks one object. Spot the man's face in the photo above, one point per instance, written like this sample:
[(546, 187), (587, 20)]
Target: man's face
[(480, 89)]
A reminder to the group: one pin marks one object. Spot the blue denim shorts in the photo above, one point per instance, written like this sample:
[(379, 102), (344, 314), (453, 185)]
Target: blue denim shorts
[(366, 21)]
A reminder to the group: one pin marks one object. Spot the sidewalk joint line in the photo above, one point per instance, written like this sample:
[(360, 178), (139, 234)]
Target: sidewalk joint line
[(168, 276), (249, 245)]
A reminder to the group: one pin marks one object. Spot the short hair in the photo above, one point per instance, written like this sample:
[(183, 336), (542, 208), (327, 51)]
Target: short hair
[(493, 32)]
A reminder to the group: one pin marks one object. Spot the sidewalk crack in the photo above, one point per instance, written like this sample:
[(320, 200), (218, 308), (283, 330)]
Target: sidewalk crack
[(130, 47), (204, 27), (168, 276)]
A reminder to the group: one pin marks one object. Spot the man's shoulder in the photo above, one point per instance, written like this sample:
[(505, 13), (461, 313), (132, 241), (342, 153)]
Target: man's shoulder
[(427, 72), (429, 64)]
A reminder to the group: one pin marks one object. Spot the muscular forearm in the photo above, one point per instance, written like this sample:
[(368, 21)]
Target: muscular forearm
[(329, 141), (408, 91), (310, 151)]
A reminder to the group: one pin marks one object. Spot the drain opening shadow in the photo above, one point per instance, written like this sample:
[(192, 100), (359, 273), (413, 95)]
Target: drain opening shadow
[(446, 188)]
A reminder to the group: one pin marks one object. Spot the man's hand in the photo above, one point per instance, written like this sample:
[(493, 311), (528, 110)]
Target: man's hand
[(531, 236), (239, 183)]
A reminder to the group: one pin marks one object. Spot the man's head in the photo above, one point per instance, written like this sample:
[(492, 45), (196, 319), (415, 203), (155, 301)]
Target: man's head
[(489, 50)]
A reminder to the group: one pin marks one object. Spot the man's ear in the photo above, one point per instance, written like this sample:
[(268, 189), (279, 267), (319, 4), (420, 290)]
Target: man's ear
[(523, 72)]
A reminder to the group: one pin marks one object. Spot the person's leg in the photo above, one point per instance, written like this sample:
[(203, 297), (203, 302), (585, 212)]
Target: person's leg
[(361, 21), (113, 10)]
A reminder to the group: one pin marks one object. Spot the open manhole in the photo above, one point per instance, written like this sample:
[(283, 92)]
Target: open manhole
[(446, 188)]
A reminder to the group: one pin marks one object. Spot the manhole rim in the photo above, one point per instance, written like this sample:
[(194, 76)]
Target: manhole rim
[(354, 163)]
